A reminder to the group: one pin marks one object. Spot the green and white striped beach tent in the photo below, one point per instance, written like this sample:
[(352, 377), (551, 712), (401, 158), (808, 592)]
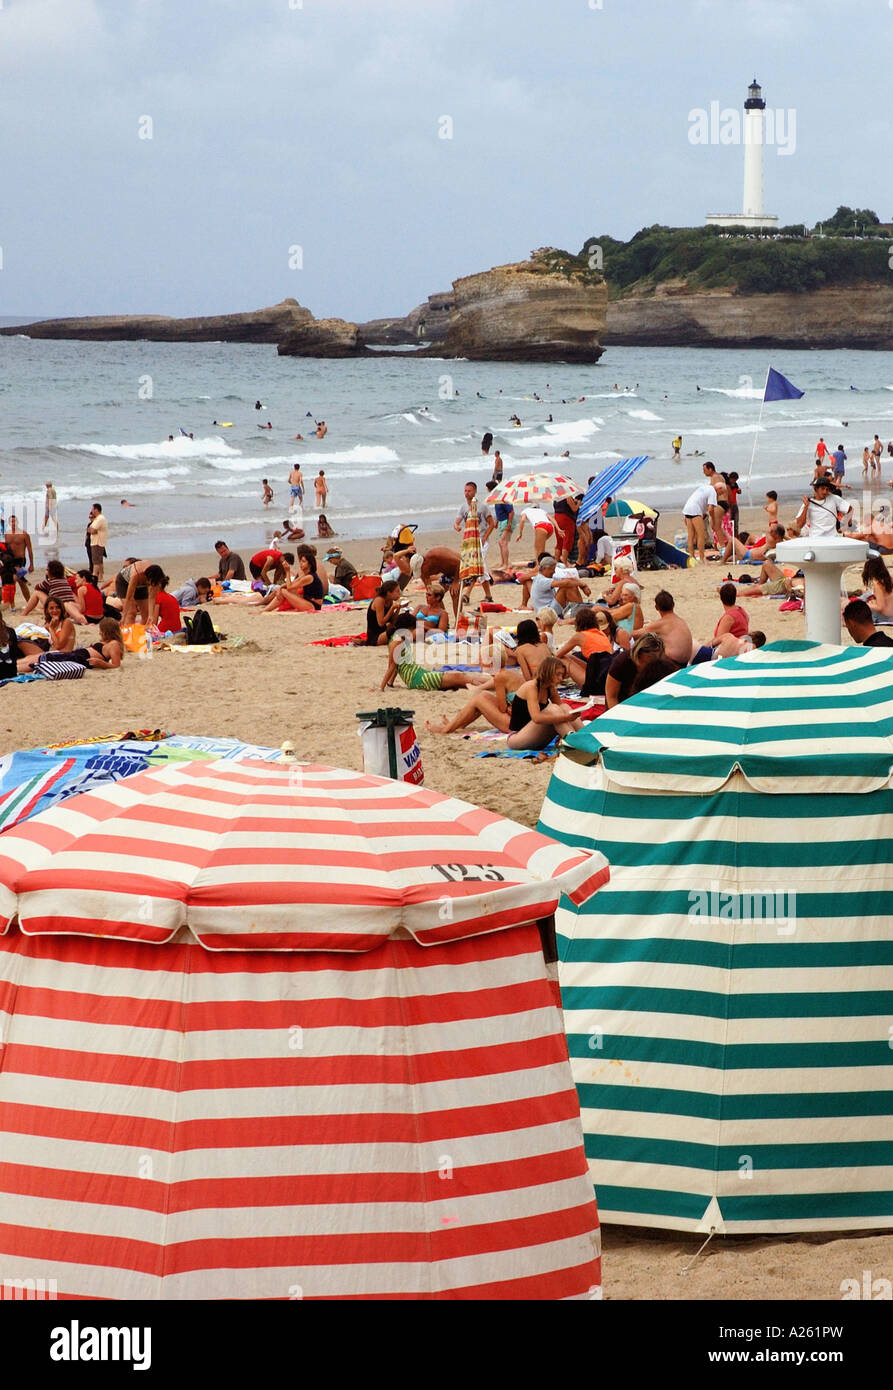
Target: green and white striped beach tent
[(729, 995)]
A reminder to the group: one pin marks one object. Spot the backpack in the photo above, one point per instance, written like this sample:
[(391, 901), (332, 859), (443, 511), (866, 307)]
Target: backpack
[(199, 629)]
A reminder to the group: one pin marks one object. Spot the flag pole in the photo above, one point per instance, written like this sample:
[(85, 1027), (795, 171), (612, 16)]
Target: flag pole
[(756, 436)]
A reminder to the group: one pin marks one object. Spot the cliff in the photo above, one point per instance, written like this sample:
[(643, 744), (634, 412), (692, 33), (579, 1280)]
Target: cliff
[(527, 312), (259, 326), (674, 315), (322, 338)]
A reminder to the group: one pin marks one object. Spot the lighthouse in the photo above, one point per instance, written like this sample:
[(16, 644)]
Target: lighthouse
[(753, 131)]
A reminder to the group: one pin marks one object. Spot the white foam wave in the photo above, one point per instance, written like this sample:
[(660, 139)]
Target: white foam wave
[(643, 415), (179, 448), (570, 432), (360, 453), (177, 470), (741, 393)]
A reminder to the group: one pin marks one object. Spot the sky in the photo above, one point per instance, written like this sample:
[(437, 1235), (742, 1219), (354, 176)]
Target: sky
[(320, 124)]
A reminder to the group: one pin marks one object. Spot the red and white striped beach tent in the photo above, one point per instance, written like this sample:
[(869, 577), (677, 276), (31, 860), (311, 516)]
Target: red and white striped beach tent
[(284, 1032)]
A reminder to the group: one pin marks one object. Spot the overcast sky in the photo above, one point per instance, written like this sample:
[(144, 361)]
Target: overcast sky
[(319, 126)]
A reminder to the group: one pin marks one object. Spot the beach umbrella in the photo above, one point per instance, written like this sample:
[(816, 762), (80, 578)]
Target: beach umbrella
[(530, 488), (608, 483), (728, 999), (627, 506), (471, 554), (282, 1031)]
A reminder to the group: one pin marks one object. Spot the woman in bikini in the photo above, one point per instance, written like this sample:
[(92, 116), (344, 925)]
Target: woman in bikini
[(413, 675), (431, 616), (381, 615)]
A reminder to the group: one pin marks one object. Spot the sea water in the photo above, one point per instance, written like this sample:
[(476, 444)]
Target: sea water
[(403, 434)]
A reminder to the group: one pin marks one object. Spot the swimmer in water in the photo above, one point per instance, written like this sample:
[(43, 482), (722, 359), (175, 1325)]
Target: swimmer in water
[(125, 503), (257, 405)]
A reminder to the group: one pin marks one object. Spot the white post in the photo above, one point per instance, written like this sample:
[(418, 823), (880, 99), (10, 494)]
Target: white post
[(823, 561)]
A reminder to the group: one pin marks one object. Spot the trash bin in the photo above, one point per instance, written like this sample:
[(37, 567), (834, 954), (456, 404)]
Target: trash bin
[(390, 746)]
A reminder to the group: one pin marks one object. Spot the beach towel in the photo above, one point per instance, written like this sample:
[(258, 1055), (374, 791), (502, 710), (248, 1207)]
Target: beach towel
[(338, 641), (471, 556), (550, 751), (11, 680)]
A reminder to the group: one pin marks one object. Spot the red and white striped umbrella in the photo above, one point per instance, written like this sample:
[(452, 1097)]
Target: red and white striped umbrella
[(250, 1050), (535, 487)]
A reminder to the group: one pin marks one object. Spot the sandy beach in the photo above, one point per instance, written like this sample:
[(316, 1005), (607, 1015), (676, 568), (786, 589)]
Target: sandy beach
[(277, 687)]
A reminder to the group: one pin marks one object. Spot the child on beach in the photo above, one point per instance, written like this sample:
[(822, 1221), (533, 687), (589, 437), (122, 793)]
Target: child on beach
[(771, 507), (267, 493)]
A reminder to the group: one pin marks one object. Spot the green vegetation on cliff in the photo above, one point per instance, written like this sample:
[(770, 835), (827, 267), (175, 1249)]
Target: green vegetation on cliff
[(849, 249)]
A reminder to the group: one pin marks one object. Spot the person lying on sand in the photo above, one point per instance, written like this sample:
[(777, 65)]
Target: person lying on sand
[(736, 646), (413, 675), (772, 580), (104, 655)]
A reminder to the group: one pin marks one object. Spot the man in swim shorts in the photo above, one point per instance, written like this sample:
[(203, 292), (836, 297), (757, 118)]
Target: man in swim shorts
[(296, 484)]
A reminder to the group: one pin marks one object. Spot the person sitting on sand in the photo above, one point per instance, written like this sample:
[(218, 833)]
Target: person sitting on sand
[(733, 620), (675, 631), (627, 673), (431, 616), (303, 592), (381, 614), (532, 718), (592, 634), (59, 625), (89, 597), (55, 585), (548, 591), (413, 675), (772, 581), (104, 655), (324, 531), (229, 564), (518, 653), (164, 610), (859, 622), (627, 614), (878, 580)]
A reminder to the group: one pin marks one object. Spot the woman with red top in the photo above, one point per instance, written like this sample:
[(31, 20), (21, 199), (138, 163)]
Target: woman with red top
[(164, 610)]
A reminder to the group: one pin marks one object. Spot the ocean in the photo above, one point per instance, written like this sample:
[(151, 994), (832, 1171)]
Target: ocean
[(403, 435)]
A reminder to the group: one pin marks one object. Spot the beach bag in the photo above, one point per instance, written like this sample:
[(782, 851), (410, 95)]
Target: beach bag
[(390, 746), (365, 586), (54, 667), (134, 638), (200, 630)]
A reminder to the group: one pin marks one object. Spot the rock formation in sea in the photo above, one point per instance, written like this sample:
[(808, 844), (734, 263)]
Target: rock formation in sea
[(258, 326), (526, 312)]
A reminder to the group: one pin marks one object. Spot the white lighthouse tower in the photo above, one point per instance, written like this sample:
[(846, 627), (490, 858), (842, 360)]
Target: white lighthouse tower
[(752, 215)]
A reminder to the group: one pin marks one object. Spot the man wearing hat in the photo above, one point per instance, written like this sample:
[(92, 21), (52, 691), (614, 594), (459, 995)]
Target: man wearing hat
[(819, 515)]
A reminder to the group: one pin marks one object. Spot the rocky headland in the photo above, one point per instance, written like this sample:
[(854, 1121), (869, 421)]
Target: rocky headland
[(258, 326)]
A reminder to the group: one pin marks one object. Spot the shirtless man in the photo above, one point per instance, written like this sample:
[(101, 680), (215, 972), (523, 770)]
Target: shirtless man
[(440, 560), (98, 535), (296, 484), (322, 429), (675, 631), (18, 543), (877, 450)]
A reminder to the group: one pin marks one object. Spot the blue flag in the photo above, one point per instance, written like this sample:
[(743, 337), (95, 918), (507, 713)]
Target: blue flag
[(778, 388)]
